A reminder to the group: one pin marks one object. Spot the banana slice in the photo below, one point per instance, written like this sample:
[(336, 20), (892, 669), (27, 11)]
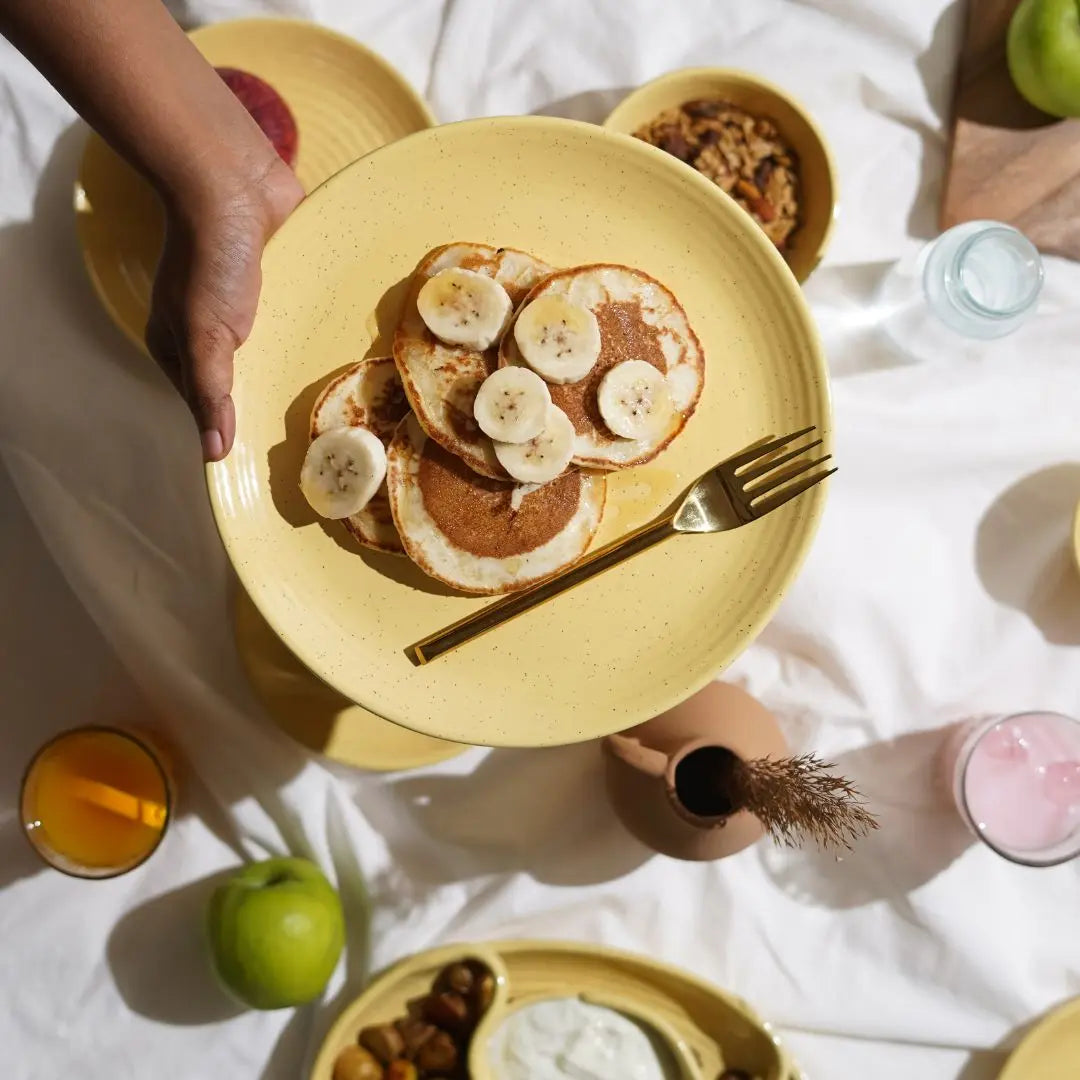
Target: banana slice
[(558, 339), (512, 404), (462, 307), (543, 458), (635, 400), (343, 469)]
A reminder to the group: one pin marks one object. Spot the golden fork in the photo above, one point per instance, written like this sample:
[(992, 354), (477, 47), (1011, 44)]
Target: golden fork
[(739, 490)]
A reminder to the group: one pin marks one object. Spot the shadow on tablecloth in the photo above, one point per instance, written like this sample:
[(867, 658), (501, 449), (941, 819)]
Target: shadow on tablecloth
[(544, 813), (920, 832), (1024, 551), (137, 549)]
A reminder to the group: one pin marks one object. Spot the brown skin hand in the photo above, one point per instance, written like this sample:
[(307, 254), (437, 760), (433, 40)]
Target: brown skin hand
[(132, 74)]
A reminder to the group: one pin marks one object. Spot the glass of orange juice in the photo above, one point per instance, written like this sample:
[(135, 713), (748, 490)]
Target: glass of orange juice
[(96, 801)]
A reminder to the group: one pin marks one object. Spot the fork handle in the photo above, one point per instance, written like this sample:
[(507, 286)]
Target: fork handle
[(501, 611)]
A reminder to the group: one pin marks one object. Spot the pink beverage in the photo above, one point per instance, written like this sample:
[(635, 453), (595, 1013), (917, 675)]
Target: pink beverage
[(1016, 780)]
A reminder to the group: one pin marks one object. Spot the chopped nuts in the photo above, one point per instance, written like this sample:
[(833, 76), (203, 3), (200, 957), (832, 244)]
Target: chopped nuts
[(447, 1011), (414, 1033), (439, 1054), (355, 1063), (743, 154), (431, 1041), (384, 1041), (483, 994), (457, 977)]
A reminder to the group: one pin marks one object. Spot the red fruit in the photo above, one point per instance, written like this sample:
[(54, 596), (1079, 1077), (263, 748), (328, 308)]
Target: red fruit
[(267, 108)]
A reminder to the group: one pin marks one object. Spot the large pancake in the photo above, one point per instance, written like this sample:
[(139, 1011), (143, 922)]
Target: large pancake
[(639, 319), (482, 535), (441, 380), (368, 394)]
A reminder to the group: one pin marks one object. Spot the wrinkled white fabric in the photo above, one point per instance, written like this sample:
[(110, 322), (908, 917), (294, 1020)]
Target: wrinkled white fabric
[(940, 586)]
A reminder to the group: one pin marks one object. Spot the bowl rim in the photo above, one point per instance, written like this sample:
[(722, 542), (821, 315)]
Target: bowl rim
[(615, 121)]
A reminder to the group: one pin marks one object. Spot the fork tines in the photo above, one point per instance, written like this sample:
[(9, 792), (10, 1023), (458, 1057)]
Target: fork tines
[(763, 484)]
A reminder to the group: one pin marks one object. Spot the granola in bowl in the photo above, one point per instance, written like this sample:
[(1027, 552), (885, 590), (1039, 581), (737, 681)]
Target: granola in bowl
[(744, 154)]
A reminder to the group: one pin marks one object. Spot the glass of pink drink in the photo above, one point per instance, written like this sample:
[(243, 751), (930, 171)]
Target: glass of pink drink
[(1016, 781)]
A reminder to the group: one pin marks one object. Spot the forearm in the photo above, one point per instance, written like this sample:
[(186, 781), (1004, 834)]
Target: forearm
[(131, 72)]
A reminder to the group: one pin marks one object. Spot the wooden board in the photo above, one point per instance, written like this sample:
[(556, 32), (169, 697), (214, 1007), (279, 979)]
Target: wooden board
[(1009, 161)]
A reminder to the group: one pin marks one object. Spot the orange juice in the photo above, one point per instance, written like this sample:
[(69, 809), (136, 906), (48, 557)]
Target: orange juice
[(95, 802)]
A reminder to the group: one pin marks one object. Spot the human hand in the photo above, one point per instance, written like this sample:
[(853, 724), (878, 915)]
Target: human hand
[(207, 287)]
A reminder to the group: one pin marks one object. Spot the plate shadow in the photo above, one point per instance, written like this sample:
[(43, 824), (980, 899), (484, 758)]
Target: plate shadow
[(1023, 551), (920, 832), (544, 813)]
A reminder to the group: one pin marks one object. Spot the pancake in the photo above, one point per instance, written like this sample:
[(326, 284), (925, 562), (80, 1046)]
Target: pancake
[(369, 395), (441, 380), (639, 319), (481, 535)]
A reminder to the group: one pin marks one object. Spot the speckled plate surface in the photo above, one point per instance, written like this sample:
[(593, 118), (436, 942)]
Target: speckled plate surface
[(1051, 1050), (346, 100), (626, 645), (705, 1026)]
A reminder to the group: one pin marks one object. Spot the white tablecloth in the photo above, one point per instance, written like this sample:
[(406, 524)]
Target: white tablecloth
[(940, 586)]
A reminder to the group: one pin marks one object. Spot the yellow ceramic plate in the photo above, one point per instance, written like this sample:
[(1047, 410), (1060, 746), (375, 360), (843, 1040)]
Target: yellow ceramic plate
[(316, 715), (346, 100), (756, 95), (1051, 1050), (712, 1029), (626, 645)]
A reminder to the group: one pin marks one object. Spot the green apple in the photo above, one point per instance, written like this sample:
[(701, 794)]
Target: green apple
[(1044, 54), (276, 933)]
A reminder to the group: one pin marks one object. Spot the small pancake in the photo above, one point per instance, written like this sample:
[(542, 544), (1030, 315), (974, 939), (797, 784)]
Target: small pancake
[(639, 319), (369, 395), (482, 535), (441, 380)]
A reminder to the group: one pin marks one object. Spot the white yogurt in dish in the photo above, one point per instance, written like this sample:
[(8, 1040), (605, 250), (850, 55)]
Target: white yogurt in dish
[(571, 1039)]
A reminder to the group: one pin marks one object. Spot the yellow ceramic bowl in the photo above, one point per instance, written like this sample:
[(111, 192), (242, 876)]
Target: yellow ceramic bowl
[(817, 170), (347, 100), (632, 642), (705, 1029)]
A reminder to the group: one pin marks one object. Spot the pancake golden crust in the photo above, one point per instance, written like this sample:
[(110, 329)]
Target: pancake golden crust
[(441, 380), (369, 394), (481, 535), (639, 319)]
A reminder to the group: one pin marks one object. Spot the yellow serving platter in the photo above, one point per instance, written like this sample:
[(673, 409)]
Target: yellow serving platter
[(1051, 1050), (346, 101), (709, 1029), (626, 645)]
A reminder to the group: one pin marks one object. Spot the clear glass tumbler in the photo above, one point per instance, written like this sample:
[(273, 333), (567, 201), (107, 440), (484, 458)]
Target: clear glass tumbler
[(976, 282)]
